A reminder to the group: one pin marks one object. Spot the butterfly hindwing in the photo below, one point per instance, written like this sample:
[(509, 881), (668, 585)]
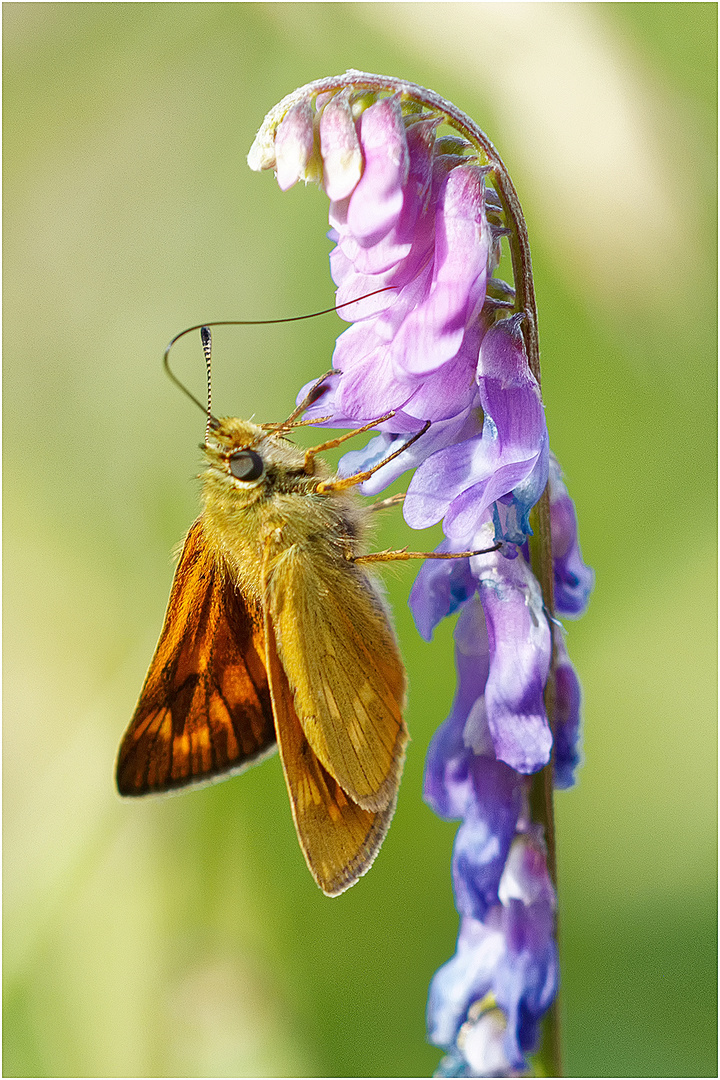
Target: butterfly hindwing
[(205, 708), (339, 839)]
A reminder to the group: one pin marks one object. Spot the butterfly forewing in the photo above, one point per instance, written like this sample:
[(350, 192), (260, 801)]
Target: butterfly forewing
[(345, 671), (205, 708), (338, 838)]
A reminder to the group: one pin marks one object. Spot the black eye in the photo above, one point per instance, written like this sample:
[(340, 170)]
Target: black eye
[(246, 465)]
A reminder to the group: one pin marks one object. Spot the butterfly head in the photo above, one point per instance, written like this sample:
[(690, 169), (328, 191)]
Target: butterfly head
[(247, 464)]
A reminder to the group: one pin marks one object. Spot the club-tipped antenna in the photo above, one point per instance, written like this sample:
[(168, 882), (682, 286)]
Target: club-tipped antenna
[(206, 339), (173, 377), (205, 327)]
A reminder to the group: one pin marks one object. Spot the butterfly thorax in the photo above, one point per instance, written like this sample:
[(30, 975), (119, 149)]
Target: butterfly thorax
[(276, 512)]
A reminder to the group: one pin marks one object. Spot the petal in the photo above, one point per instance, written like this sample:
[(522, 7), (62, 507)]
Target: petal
[(377, 201), (370, 375), (461, 482), (439, 434), (294, 146), (465, 978), (325, 407), (350, 262), (371, 388), (379, 448), (433, 331), (520, 646), (340, 148), (406, 234), (511, 513), (408, 290), (483, 1045), (442, 585), (438, 590), (525, 876), (448, 785), (452, 760), (443, 393), (568, 699), (325, 403), (358, 296), (503, 356), (573, 579), (484, 838), (440, 479), (525, 979)]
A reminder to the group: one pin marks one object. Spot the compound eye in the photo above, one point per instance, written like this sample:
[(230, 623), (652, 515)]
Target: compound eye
[(246, 465)]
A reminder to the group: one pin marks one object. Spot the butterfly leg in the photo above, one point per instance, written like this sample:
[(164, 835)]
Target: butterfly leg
[(316, 391), (392, 500), (341, 483), (332, 443), (403, 554)]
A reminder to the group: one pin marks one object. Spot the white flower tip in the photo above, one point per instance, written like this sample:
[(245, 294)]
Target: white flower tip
[(526, 876), (481, 1044), (340, 148), (262, 152), (342, 170), (295, 146)]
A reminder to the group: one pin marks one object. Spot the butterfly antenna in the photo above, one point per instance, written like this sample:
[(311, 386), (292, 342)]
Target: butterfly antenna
[(173, 377), (206, 339), (204, 329)]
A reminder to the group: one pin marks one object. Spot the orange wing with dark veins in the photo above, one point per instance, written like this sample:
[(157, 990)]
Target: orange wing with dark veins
[(205, 710)]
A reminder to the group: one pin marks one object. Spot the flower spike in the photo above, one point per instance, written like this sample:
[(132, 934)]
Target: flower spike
[(421, 205)]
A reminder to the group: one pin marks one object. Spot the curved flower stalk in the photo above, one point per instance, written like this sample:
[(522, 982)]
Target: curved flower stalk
[(420, 204)]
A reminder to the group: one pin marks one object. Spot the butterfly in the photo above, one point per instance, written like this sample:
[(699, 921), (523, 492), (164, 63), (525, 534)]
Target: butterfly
[(276, 636)]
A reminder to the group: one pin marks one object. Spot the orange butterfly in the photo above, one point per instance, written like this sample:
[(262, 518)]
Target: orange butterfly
[(275, 633)]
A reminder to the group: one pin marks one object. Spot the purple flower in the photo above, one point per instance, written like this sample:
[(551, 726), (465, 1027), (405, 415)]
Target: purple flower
[(506, 956), (516, 635), (567, 717), (464, 779), (520, 647), (573, 579), (415, 222), (421, 216), (506, 961), (461, 482)]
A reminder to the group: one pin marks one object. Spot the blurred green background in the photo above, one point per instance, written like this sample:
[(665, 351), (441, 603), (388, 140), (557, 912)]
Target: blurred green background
[(185, 937)]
